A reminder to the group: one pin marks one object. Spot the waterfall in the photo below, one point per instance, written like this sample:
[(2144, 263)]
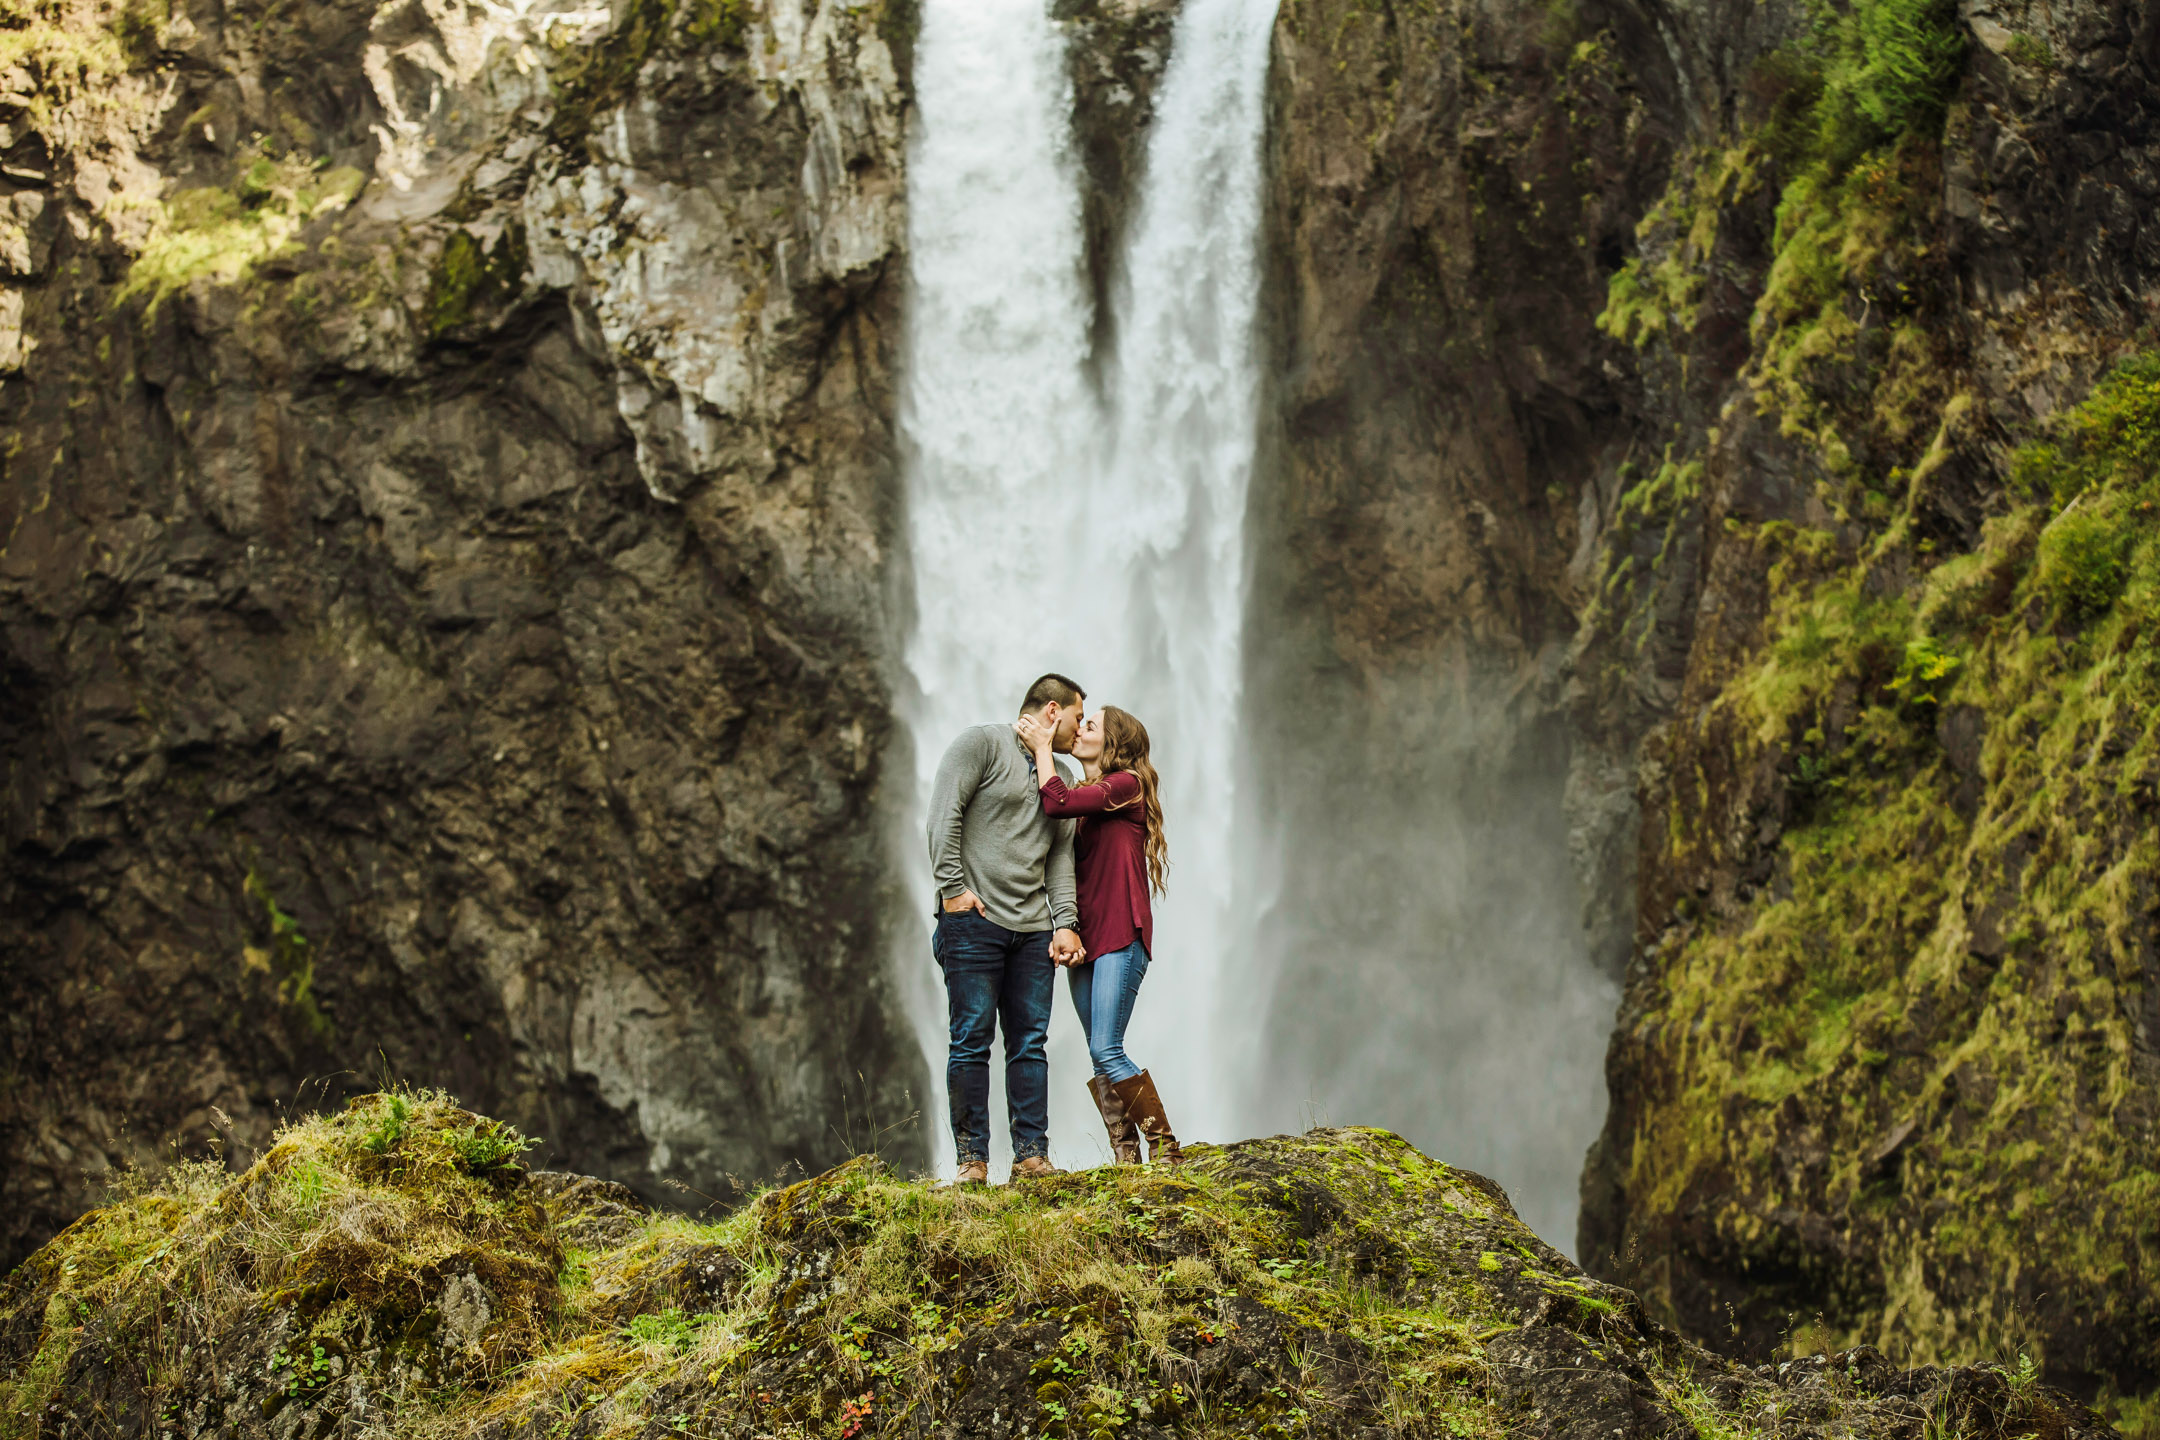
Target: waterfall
[(1055, 527)]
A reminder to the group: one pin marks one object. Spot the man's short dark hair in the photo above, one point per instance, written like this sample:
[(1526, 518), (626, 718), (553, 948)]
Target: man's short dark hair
[(1052, 689)]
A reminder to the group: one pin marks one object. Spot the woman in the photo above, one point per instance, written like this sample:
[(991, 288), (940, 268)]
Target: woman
[(1119, 857)]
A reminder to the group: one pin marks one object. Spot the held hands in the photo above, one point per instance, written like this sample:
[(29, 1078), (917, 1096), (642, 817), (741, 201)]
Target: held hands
[(1035, 733), (1065, 946)]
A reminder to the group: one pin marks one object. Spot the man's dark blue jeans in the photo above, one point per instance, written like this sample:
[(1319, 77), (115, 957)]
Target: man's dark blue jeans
[(995, 976)]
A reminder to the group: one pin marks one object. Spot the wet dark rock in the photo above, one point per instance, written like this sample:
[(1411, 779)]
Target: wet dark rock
[(1116, 52)]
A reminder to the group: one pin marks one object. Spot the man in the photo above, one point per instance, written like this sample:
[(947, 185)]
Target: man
[(1006, 921)]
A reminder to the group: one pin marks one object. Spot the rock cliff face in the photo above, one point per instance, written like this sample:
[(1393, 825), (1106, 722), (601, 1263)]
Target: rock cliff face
[(1116, 53), (1885, 1065), (445, 506), (1686, 464)]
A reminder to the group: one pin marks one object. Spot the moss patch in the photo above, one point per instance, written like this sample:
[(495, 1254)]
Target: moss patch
[(288, 957), (474, 275), (593, 79), (1317, 1285), (221, 235), (1948, 972), (75, 52), (411, 1250)]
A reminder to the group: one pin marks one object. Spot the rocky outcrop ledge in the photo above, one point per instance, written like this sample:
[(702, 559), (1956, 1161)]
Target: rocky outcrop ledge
[(394, 1268)]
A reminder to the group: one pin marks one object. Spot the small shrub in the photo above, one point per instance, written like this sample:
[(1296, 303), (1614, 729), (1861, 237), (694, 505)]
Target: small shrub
[(1704, 1417), (718, 22), (210, 233), (2031, 51), (488, 1145), (2114, 436), (473, 275), (2084, 559), (1896, 62), (307, 1183)]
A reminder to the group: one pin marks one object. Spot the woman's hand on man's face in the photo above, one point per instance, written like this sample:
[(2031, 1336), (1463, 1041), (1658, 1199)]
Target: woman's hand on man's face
[(1034, 732)]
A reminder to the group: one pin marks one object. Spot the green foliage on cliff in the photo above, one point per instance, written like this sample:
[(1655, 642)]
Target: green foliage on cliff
[(591, 79), (1655, 517), (1887, 68), (473, 274), (1650, 296), (71, 50), (717, 22), (2090, 470), (221, 235), (289, 957), (1849, 104), (1948, 964)]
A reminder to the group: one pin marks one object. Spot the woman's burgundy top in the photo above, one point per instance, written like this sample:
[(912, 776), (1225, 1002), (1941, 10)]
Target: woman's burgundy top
[(1109, 860)]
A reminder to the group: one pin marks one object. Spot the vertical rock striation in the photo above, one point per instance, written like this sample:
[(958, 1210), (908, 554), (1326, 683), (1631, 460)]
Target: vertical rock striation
[(1116, 52), (1451, 186), (443, 598)]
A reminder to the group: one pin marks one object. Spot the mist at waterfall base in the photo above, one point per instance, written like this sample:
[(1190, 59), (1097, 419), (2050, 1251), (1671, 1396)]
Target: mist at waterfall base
[(1343, 959), (1426, 962)]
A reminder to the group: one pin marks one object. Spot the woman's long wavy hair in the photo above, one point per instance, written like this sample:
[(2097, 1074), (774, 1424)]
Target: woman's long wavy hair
[(1125, 747)]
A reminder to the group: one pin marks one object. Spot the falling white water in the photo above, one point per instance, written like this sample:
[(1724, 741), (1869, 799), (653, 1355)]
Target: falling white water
[(1100, 536)]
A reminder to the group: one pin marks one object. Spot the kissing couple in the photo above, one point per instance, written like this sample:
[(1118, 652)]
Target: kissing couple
[(1036, 873)]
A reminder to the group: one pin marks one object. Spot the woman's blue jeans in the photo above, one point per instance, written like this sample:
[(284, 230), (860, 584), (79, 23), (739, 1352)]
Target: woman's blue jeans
[(1103, 991)]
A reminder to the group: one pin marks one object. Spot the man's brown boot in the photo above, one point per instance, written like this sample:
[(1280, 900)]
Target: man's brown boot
[(974, 1172), (1034, 1167), (1144, 1107), (1124, 1135)]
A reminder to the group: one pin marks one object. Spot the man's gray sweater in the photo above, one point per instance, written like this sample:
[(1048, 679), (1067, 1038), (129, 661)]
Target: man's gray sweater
[(988, 834)]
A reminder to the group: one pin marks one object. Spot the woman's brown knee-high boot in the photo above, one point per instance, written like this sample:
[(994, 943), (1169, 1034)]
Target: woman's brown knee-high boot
[(1124, 1135), (1144, 1107)]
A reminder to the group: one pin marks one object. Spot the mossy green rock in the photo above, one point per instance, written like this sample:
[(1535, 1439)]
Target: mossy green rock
[(393, 1267)]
